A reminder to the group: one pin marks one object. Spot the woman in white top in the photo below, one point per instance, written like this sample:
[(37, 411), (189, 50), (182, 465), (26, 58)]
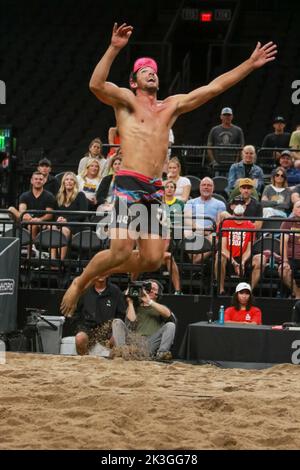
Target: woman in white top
[(183, 184), (95, 151), (276, 198), (89, 181)]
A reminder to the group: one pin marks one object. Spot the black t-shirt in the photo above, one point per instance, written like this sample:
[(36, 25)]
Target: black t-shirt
[(253, 209), (247, 170), (41, 203), (80, 203), (52, 185), (95, 309), (277, 140)]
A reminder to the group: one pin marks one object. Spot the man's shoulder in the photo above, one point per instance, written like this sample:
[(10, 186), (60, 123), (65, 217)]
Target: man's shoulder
[(26, 194)]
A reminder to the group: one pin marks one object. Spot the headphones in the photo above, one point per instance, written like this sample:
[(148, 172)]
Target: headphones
[(160, 288)]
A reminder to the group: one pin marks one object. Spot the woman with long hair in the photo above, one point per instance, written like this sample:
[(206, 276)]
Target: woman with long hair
[(69, 198), (95, 151), (89, 181), (183, 184), (104, 193), (276, 198), (242, 309)]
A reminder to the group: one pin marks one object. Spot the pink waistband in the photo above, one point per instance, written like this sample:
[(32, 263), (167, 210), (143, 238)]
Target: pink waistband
[(140, 176)]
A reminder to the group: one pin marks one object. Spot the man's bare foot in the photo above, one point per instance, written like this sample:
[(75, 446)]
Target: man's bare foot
[(70, 299)]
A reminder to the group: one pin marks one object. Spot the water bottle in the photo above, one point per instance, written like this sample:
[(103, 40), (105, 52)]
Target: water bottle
[(221, 315)]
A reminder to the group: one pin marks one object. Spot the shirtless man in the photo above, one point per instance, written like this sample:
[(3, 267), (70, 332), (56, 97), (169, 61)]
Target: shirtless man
[(144, 123)]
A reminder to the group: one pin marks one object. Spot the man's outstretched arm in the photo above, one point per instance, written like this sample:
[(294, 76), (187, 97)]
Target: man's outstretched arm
[(106, 91), (260, 56)]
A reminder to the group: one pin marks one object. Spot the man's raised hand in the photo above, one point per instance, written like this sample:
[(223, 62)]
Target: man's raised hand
[(121, 35), (263, 54)]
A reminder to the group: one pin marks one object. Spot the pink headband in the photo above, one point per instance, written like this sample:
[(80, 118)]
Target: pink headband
[(144, 62)]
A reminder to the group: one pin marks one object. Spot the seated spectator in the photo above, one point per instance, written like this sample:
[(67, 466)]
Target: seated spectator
[(200, 207), (245, 169), (287, 163), (276, 198), (35, 199), (290, 251), (225, 134), (183, 184), (236, 248), (149, 319), (243, 310), (95, 152), (51, 183), (89, 181), (69, 198), (100, 304), (104, 193), (253, 208)]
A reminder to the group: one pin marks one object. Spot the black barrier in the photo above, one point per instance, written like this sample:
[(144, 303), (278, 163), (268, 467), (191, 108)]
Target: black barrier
[(9, 275)]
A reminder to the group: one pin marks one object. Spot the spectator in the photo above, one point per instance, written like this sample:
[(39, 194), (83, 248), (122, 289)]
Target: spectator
[(290, 251), (89, 181), (277, 139), (101, 303), (183, 184), (295, 142), (51, 183), (252, 207), (205, 205), (246, 168), (276, 198), (236, 247), (243, 310), (286, 162), (69, 198), (152, 320), (35, 199), (95, 152), (225, 134), (104, 193)]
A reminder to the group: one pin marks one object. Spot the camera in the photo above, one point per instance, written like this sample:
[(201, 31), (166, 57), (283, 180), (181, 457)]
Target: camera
[(135, 289)]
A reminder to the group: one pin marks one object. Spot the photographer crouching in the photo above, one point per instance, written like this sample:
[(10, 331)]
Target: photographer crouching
[(148, 318)]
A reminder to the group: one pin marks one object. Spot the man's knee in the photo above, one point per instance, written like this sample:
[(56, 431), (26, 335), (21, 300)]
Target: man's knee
[(81, 341)]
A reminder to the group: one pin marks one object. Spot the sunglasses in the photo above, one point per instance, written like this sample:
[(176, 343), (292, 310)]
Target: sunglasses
[(280, 174)]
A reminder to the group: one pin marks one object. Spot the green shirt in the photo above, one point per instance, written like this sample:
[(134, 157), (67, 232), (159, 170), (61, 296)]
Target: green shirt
[(148, 320)]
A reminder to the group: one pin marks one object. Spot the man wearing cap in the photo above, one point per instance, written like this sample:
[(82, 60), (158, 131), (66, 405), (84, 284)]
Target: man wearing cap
[(246, 168), (225, 134), (242, 309), (236, 246), (253, 207), (277, 139), (144, 124), (51, 183), (286, 161)]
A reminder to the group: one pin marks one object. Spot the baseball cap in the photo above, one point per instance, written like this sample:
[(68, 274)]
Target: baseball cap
[(243, 286), (144, 62), (246, 182), (226, 111), (278, 119), (286, 152), (44, 162)]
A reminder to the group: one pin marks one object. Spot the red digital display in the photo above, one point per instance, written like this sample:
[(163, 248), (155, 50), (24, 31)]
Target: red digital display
[(206, 17)]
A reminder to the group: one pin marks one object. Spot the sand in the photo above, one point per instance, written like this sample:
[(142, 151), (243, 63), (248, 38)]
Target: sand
[(64, 402)]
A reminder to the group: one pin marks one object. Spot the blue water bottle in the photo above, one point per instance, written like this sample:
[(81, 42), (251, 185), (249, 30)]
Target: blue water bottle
[(221, 315)]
